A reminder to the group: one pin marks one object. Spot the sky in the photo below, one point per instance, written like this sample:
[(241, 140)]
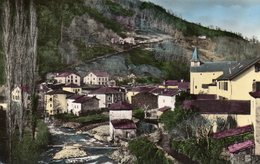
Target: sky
[(242, 16)]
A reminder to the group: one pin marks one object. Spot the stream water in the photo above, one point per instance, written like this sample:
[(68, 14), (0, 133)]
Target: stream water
[(97, 152)]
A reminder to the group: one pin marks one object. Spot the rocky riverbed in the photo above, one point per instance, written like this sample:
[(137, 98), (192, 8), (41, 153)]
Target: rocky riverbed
[(69, 146)]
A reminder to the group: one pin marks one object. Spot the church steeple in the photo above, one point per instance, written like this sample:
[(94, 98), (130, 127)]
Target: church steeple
[(195, 60)]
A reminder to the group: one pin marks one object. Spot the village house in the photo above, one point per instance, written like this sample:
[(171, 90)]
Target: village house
[(73, 88), (84, 105), (145, 100), (230, 80), (56, 102), (17, 95), (96, 78), (70, 100), (136, 90), (68, 78), (107, 96), (167, 98), (236, 86), (121, 124)]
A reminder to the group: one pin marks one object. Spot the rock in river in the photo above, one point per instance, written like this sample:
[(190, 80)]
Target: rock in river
[(70, 152)]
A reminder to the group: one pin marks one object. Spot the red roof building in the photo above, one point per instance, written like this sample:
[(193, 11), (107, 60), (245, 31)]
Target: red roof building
[(123, 124), (240, 146), (233, 132)]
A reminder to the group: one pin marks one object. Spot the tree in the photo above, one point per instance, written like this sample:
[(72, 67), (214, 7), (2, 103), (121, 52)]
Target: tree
[(20, 35)]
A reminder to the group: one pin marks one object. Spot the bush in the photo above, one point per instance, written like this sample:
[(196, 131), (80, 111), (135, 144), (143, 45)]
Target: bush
[(88, 119), (138, 113), (171, 118), (29, 150), (146, 152)]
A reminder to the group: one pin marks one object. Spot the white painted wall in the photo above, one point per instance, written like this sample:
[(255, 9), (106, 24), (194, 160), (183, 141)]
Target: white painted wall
[(120, 114), (166, 101), (91, 78)]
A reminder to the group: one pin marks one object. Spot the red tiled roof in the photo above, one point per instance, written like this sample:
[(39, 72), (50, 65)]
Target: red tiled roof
[(184, 85), (255, 94), (104, 90), (171, 92), (123, 124), (170, 82), (74, 97), (233, 132), (142, 89), (84, 99), (65, 74), (205, 97), (72, 85), (120, 106), (218, 106), (59, 92), (164, 109), (100, 73), (240, 146)]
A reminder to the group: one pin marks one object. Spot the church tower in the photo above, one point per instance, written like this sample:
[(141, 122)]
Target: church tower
[(195, 60)]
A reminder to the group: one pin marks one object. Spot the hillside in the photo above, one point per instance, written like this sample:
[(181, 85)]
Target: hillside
[(87, 34)]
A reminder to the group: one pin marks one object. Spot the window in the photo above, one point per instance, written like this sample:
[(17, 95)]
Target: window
[(50, 99), (257, 67), (76, 80), (225, 86), (50, 105), (196, 87), (256, 86), (68, 80)]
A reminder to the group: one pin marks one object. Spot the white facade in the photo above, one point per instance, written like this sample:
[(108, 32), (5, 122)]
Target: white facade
[(17, 96), (70, 78), (70, 105), (94, 79), (165, 100), (120, 114), (76, 108)]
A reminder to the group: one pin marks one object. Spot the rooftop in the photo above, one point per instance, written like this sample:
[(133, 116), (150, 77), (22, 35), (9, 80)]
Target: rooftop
[(100, 73), (84, 99), (74, 97), (233, 132), (55, 92), (240, 146), (123, 124), (218, 106), (104, 90), (120, 106), (65, 74), (72, 85), (164, 109)]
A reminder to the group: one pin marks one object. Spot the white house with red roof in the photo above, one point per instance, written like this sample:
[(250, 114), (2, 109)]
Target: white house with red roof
[(96, 78), (70, 100), (68, 78), (121, 124), (167, 98)]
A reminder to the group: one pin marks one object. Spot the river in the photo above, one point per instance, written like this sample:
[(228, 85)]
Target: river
[(97, 152)]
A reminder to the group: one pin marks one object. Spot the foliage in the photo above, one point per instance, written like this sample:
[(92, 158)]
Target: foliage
[(29, 150), (180, 98), (93, 118), (108, 23), (52, 17), (188, 28), (1, 68), (171, 119), (146, 152), (138, 113), (117, 9), (199, 151), (86, 53), (177, 69), (147, 80)]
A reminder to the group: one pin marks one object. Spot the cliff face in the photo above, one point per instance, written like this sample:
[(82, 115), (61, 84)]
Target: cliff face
[(88, 34)]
